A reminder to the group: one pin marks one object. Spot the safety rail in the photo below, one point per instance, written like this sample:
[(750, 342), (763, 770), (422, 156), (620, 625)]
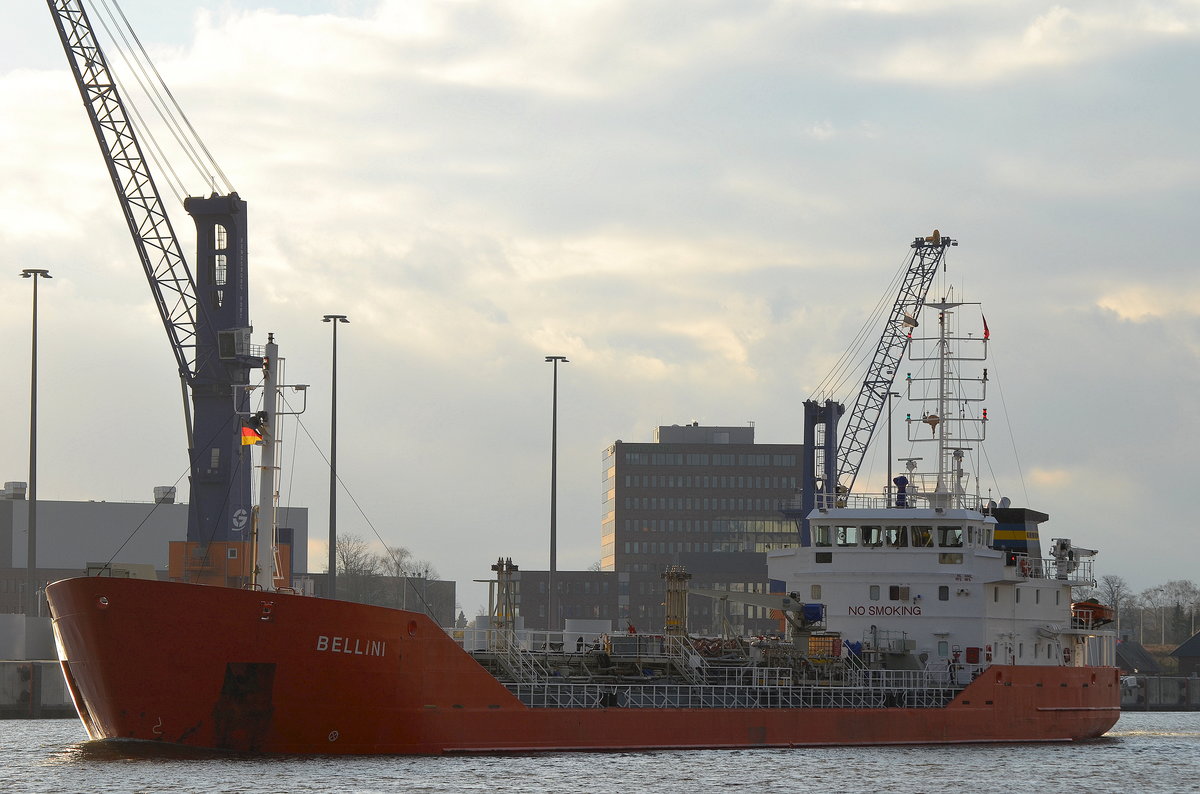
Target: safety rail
[(692, 665), (676, 696), (748, 676), (914, 496), (517, 661), (1074, 572)]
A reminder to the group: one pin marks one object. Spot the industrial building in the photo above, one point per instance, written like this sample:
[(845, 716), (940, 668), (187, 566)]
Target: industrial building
[(73, 537), (705, 498)]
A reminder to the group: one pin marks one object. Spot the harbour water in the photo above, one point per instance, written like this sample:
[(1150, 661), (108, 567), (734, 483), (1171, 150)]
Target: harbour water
[(1145, 752)]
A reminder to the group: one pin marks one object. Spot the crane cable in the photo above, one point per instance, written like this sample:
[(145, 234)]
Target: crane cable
[(155, 89), (854, 358)]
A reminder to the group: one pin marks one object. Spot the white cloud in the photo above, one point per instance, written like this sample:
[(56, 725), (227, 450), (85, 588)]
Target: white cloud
[(1139, 303), (695, 208)]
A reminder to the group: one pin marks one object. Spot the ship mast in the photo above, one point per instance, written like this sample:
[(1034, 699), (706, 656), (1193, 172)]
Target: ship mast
[(949, 392), (264, 525)]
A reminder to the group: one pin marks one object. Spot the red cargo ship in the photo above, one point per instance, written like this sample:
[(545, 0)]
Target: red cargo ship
[(279, 673), (924, 615)]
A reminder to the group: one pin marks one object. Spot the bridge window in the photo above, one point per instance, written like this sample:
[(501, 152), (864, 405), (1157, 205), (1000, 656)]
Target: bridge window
[(895, 537), (872, 536), (847, 536), (951, 537), (822, 535), (922, 536)]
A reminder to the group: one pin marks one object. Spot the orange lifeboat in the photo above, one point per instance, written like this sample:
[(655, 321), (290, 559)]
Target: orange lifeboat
[(1090, 612)]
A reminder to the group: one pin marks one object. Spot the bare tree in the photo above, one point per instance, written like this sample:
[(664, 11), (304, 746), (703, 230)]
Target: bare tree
[(397, 565), (1114, 591), (1155, 599), (1181, 596), (358, 568)]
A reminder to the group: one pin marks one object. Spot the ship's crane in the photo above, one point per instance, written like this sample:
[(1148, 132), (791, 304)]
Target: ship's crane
[(928, 253), (837, 471), (206, 318)]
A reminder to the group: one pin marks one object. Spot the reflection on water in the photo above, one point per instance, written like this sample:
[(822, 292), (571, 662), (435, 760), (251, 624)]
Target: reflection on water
[(1146, 752)]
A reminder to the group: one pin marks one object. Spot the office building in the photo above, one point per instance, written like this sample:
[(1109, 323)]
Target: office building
[(706, 498)]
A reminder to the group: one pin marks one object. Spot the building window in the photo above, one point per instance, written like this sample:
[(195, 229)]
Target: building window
[(231, 554), (943, 592), (874, 592), (815, 592), (996, 595), (943, 648)]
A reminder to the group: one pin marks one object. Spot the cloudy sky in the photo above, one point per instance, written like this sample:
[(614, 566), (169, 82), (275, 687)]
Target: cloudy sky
[(697, 203)]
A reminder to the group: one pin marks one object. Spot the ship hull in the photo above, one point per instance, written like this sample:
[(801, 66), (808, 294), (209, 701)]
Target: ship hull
[(255, 672)]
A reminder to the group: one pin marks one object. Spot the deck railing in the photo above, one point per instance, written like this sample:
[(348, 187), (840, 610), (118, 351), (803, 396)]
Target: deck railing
[(725, 696)]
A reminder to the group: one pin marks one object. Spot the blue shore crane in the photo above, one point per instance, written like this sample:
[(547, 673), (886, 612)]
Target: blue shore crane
[(207, 317)]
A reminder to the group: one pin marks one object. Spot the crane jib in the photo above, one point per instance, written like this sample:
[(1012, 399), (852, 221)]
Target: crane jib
[(928, 254), (205, 317)]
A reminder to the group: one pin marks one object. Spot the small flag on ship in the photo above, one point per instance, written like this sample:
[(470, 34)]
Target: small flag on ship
[(250, 436), (986, 333)]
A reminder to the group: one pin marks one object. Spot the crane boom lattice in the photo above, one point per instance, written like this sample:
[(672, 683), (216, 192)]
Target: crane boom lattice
[(158, 248), (928, 253)]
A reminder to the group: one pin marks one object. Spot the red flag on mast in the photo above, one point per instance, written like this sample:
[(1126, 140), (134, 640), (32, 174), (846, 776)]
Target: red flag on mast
[(986, 333)]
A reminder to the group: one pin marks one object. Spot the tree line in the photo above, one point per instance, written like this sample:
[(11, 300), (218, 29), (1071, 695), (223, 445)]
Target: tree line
[(1165, 614), (393, 578)]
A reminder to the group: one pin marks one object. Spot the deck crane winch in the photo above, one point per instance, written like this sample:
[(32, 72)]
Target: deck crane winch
[(206, 318)]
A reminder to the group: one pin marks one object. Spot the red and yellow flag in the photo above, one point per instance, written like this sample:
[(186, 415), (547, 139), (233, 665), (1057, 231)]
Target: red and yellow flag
[(250, 436)]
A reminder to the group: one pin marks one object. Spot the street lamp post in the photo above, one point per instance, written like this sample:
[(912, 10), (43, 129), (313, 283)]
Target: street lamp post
[(551, 601), (336, 319), (32, 602)]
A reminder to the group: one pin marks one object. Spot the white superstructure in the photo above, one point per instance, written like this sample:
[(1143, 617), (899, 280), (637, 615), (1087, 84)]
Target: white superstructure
[(918, 577)]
